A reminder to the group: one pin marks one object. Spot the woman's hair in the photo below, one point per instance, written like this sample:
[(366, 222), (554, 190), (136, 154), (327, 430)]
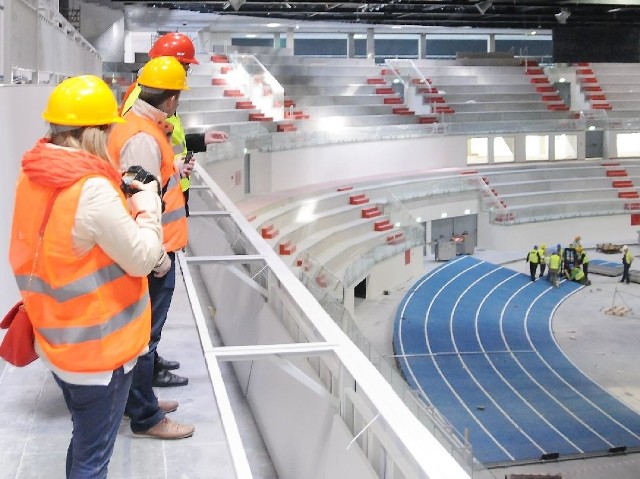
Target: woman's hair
[(92, 139)]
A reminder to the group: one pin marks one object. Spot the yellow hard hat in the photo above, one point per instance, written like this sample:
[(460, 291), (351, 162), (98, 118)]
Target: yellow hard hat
[(543, 246), (164, 73), (579, 249), (82, 101)]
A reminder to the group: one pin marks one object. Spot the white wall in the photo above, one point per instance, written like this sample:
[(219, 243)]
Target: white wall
[(283, 170), (615, 229), (137, 42), (20, 127), (95, 21), (225, 173), (387, 275), (104, 28)]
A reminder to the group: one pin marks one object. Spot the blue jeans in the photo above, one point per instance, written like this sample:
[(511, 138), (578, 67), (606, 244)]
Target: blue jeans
[(142, 405), (96, 412)]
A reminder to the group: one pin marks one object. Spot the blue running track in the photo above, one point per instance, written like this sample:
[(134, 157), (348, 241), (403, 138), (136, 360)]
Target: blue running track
[(475, 339)]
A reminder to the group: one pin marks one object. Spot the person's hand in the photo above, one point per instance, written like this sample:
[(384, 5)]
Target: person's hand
[(140, 186), (163, 265), (145, 199), (215, 137), (186, 167)]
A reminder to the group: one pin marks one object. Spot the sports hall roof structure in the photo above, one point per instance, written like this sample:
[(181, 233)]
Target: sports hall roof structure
[(488, 14)]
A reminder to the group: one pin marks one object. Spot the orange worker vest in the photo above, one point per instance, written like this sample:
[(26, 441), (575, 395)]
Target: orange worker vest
[(88, 314), (174, 218)]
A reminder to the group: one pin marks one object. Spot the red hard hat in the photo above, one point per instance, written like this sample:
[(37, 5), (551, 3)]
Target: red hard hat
[(176, 45)]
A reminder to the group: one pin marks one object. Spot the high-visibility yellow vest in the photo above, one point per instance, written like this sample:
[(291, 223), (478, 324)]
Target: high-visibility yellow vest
[(577, 274), (130, 99), (179, 145)]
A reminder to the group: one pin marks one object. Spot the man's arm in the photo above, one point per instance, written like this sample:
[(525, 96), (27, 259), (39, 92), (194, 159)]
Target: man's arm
[(198, 142), (142, 150)]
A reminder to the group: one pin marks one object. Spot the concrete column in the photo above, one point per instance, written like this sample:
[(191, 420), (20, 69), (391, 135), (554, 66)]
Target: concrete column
[(276, 39), (351, 45), (6, 41), (491, 151), (422, 46), (491, 43), (371, 48), (289, 42)]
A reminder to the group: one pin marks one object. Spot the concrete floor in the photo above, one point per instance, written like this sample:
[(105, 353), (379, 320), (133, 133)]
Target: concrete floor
[(603, 346)]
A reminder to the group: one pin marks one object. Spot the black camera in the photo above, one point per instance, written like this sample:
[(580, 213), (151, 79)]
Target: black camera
[(140, 174)]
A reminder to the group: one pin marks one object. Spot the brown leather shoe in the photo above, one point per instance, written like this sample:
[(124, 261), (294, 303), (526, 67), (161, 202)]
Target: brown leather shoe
[(168, 429), (167, 406)]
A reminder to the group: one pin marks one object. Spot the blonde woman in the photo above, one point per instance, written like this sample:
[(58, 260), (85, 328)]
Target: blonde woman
[(80, 257)]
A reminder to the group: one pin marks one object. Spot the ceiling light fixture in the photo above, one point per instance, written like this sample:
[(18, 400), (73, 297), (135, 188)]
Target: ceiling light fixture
[(484, 6), (563, 15)]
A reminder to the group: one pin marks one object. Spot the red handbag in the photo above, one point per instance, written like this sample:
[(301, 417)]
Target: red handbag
[(17, 345)]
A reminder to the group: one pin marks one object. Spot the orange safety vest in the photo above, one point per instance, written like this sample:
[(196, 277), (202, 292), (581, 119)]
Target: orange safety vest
[(174, 219), (88, 314)]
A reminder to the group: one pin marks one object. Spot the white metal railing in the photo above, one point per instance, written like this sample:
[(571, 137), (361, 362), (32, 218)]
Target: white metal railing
[(384, 429), (568, 209), (303, 139)]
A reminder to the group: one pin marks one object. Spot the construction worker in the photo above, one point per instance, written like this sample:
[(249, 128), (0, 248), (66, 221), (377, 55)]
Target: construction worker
[(555, 262), (583, 260), (81, 260), (543, 259), (181, 47), (627, 259), (576, 241), (143, 140), (533, 258), (576, 274)]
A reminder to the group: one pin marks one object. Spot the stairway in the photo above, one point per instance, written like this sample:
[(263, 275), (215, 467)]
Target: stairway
[(590, 87), (548, 94)]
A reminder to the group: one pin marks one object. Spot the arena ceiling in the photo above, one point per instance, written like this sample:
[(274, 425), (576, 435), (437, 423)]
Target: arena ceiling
[(486, 14)]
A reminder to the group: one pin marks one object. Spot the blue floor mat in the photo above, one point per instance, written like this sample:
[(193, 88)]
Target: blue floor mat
[(475, 339)]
